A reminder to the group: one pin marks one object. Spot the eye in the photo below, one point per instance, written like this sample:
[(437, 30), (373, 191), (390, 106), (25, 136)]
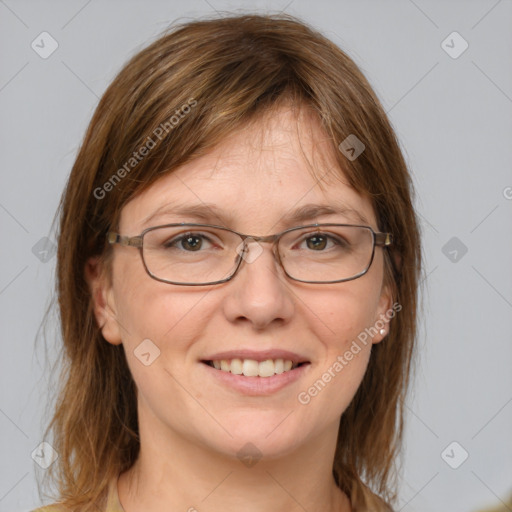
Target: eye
[(321, 241), (316, 242), (192, 242)]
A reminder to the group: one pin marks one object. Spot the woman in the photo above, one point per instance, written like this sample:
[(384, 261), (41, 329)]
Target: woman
[(238, 267)]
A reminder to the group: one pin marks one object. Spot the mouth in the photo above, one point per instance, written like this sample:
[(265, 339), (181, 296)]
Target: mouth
[(253, 368)]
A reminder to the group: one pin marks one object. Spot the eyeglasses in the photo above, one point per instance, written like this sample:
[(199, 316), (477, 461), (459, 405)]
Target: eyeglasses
[(205, 254)]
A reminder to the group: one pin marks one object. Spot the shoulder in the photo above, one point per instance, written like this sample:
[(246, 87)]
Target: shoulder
[(110, 502)]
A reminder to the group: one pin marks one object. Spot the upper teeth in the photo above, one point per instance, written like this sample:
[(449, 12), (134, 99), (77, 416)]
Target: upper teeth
[(252, 368)]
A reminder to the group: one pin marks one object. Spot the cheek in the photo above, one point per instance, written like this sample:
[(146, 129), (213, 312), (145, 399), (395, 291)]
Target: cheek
[(159, 326), (341, 321), (337, 376), (170, 317), (340, 316)]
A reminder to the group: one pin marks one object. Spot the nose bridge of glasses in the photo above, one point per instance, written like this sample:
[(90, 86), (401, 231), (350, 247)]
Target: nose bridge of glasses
[(265, 238), (250, 254), (253, 239)]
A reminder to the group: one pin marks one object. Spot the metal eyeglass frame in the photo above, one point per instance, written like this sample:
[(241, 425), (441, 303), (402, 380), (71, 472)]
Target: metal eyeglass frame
[(379, 240)]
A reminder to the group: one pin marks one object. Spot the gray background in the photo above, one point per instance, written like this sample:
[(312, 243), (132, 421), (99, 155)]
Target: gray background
[(453, 117)]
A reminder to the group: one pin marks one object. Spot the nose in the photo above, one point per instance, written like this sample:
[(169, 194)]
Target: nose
[(259, 293)]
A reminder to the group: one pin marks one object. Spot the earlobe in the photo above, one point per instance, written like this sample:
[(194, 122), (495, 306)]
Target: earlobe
[(102, 300), (385, 312)]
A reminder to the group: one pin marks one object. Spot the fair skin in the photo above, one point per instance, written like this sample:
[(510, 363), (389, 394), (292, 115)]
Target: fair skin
[(192, 424)]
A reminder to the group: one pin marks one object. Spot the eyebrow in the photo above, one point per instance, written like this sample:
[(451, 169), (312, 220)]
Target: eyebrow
[(210, 213)]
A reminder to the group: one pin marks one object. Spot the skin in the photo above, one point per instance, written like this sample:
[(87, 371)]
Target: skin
[(191, 426)]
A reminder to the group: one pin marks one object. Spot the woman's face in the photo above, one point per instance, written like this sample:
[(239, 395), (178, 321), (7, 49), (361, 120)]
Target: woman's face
[(256, 179)]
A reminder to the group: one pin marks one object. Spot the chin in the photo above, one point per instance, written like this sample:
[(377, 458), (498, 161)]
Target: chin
[(270, 439)]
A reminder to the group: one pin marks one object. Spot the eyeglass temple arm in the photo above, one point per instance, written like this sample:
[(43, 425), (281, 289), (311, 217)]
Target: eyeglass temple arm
[(383, 239), (116, 238)]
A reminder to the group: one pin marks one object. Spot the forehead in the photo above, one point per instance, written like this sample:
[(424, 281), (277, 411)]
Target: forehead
[(268, 173)]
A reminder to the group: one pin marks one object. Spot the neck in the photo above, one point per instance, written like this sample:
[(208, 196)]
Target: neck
[(174, 473)]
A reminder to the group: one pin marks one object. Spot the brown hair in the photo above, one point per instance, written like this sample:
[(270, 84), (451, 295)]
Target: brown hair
[(227, 70)]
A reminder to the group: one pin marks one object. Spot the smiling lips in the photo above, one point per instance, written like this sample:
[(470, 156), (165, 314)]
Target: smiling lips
[(253, 368), (256, 364)]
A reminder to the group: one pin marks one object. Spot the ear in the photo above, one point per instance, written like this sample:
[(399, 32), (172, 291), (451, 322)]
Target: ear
[(384, 314), (103, 300)]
